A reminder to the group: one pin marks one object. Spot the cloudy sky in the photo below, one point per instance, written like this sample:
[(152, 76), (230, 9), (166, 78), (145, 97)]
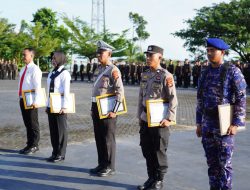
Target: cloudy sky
[(163, 16)]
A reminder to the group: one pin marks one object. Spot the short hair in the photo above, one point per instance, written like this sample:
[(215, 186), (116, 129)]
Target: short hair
[(30, 49)]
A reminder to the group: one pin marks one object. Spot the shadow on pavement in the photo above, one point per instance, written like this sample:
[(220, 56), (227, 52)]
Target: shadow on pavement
[(23, 185), (67, 179)]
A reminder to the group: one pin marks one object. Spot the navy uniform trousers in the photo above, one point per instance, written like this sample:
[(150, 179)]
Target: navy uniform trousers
[(154, 143), (30, 119), (104, 130), (58, 132)]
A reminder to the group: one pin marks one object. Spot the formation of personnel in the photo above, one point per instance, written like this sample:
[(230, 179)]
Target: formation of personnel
[(186, 75), (8, 69), (219, 83)]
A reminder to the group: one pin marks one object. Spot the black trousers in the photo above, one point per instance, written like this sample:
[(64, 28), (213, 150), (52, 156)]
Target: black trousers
[(58, 132), (179, 81), (154, 143), (104, 130), (30, 119)]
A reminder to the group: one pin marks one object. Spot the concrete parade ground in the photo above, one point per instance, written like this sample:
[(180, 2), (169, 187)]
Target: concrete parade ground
[(187, 163)]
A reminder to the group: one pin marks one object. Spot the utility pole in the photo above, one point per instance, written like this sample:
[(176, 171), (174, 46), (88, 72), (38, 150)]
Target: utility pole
[(98, 16)]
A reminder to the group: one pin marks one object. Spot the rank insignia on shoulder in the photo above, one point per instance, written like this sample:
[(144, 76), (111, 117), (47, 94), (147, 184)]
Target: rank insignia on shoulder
[(145, 76), (115, 74)]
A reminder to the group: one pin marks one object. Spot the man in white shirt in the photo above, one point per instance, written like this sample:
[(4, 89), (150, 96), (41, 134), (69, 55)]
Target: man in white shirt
[(30, 79)]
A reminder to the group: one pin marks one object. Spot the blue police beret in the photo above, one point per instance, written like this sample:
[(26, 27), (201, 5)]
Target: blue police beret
[(217, 43)]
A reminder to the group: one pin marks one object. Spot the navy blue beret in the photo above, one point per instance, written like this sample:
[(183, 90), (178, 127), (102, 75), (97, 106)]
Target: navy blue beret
[(217, 43)]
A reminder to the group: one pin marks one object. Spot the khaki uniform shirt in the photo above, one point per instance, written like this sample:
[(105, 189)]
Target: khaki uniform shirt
[(154, 86), (107, 80)]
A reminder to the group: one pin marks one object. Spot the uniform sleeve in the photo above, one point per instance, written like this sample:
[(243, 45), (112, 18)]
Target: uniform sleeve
[(199, 103), (172, 97), (37, 78), (239, 87), (118, 87), (66, 89)]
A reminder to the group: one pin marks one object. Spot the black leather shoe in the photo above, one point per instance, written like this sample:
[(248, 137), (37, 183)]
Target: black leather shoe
[(96, 169), (51, 158), (31, 150), (146, 184), (23, 150), (58, 159), (106, 172), (157, 185)]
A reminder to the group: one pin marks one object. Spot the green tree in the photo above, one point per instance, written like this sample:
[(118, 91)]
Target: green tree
[(139, 25), (229, 21), (83, 38), (48, 18), (39, 38), (6, 35)]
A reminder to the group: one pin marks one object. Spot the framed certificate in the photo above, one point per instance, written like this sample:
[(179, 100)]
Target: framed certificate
[(29, 97), (106, 103), (156, 111), (225, 117), (56, 100)]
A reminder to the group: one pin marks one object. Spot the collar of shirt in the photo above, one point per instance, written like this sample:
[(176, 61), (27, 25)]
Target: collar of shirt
[(30, 64)]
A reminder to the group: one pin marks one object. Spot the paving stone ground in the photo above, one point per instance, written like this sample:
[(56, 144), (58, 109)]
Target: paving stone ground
[(187, 165)]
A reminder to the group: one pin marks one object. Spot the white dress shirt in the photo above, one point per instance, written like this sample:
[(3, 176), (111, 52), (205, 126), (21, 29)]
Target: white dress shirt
[(61, 85), (32, 79)]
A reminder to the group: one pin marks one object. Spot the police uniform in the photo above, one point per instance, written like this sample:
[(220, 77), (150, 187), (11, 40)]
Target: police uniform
[(31, 77), (154, 141), (58, 81), (213, 91), (107, 80)]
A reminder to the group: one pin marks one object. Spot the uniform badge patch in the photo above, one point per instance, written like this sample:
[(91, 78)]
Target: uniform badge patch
[(115, 74), (169, 81)]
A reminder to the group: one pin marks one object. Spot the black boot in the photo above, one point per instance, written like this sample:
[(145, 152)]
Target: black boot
[(157, 185), (146, 184)]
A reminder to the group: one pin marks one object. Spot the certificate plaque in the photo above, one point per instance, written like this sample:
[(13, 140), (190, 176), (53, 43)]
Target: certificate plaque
[(56, 100), (106, 103), (225, 117), (157, 110), (29, 98)]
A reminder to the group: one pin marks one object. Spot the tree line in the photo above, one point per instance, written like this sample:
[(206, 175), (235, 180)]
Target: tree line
[(229, 21)]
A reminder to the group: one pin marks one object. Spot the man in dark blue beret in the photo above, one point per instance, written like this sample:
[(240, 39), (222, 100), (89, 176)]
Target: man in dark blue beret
[(220, 83)]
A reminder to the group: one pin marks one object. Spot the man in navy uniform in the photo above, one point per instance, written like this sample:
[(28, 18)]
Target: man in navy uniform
[(220, 83)]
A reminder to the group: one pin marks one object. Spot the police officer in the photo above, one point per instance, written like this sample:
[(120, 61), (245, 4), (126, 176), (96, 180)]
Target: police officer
[(75, 70), (1, 69), (196, 71), (157, 83), (88, 71), (107, 80), (219, 84), (178, 74), (186, 72), (82, 71)]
